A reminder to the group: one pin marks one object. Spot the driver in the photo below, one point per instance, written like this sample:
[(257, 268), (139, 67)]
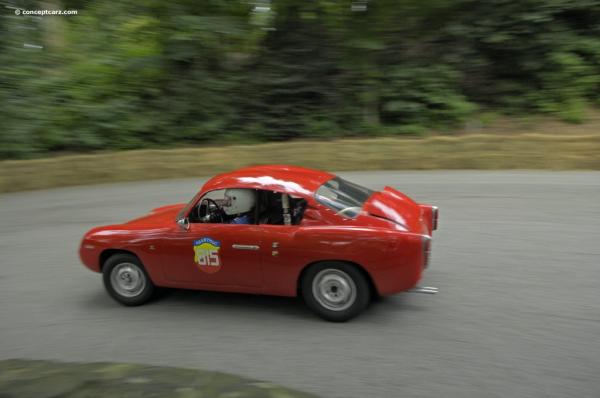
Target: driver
[(239, 205)]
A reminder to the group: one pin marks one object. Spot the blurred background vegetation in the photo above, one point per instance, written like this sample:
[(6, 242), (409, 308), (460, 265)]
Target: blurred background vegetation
[(155, 74)]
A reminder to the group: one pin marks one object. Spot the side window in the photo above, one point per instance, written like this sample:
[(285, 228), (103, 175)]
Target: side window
[(343, 197), (226, 206), (271, 208)]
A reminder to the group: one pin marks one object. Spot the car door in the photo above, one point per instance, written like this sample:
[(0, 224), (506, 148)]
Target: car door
[(214, 254), (283, 258)]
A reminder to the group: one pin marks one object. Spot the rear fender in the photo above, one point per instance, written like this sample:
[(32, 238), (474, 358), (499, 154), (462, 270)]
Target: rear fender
[(392, 259)]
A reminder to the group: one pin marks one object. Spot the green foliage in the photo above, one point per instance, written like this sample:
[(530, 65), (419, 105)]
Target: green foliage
[(427, 96), (154, 74), (531, 55)]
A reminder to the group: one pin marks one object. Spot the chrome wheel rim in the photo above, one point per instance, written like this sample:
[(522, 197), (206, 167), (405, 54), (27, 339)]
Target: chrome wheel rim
[(127, 279), (334, 289)]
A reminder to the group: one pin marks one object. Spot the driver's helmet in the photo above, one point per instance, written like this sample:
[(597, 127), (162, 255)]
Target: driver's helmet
[(238, 201)]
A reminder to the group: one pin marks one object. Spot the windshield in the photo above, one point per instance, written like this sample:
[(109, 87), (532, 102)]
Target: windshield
[(186, 210), (344, 197)]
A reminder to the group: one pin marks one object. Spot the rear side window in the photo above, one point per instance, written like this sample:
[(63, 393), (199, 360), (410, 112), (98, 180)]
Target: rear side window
[(343, 196)]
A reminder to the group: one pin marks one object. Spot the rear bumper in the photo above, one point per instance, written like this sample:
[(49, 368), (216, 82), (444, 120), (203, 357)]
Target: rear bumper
[(429, 216), (426, 247)]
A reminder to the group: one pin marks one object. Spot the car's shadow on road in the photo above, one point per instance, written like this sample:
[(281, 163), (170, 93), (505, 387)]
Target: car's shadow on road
[(290, 306), (381, 309), (180, 300)]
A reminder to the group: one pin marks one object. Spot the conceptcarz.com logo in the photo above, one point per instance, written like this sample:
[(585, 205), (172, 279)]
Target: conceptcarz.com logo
[(19, 11)]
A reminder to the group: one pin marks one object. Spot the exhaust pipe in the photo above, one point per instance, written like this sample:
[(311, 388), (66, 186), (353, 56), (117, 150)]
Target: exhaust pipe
[(424, 289)]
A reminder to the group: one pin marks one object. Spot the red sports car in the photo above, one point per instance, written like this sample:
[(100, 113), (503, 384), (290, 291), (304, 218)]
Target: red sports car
[(278, 230)]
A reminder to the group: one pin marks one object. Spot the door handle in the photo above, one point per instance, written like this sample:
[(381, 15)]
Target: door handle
[(245, 247)]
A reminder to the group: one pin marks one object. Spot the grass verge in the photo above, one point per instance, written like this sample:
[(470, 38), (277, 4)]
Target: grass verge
[(475, 151), (26, 378)]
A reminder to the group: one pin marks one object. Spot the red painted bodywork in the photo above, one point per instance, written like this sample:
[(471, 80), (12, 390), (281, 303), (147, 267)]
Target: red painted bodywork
[(389, 240)]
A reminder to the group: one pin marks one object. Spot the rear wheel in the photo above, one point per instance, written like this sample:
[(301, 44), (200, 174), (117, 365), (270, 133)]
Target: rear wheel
[(335, 291), (126, 280)]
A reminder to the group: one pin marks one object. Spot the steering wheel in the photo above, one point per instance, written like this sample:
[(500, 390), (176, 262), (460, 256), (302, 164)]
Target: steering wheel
[(213, 211), (347, 210)]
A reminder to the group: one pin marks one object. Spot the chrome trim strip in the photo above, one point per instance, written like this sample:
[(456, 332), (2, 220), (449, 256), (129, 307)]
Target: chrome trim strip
[(245, 247)]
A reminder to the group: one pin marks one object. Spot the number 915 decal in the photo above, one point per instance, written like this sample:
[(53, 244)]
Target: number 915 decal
[(206, 254)]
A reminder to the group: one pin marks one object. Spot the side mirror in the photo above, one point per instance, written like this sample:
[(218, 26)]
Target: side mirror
[(184, 223)]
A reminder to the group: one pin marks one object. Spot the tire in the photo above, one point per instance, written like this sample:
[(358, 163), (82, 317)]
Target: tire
[(335, 291), (126, 280)]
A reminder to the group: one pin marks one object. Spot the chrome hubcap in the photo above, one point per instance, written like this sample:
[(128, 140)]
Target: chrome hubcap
[(334, 289), (128, 279)]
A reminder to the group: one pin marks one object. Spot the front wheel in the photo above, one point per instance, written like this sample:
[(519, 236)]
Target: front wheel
[(335, 291), (126, 280)]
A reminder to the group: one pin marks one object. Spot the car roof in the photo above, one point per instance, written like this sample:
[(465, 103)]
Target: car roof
[(291, 179)]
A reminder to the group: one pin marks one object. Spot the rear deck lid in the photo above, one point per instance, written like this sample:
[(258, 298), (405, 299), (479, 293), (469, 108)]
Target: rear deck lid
[(395, 206)]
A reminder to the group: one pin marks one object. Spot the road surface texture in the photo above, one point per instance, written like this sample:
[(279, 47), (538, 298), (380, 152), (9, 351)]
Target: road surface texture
[(516, 258)]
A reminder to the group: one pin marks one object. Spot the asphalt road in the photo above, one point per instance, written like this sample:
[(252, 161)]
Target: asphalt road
[(517, 261)]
